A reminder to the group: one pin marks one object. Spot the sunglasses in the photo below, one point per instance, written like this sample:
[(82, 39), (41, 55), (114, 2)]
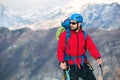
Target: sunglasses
[(73, 23)]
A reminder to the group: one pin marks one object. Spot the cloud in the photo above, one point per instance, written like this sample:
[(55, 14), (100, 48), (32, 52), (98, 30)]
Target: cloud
[(33, 4), (45, 4)]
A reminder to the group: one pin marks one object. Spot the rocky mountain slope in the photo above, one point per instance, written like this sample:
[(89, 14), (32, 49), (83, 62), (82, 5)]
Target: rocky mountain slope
[(31, 55)]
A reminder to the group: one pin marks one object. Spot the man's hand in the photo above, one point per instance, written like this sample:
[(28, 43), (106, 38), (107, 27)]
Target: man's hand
[(63, 65), (99, 60)]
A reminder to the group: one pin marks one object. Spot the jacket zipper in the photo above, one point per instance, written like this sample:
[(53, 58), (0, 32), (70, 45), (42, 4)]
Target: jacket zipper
[(77, 44), (77, 47)]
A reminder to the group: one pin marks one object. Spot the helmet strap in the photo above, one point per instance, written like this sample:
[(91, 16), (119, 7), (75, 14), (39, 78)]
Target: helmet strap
[(81, 26)]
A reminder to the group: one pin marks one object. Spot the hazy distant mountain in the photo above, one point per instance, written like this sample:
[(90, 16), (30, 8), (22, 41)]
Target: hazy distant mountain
[(103, 16), (31, 55)]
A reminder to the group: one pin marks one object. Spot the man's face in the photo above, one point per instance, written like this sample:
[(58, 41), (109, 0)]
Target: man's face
[(73, 25)]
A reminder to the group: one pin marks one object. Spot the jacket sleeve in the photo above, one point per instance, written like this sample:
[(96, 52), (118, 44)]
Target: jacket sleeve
[(61, 46), (92, 48)]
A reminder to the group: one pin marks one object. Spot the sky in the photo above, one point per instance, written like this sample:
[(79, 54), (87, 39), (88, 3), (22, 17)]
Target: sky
[(45, 4), (33, 4)]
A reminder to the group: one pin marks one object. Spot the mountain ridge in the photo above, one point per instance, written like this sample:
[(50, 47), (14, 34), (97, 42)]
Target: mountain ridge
[(34, 52), (37, 19)]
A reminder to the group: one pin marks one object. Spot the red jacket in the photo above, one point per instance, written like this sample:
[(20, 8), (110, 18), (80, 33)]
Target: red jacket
[(76, 46)]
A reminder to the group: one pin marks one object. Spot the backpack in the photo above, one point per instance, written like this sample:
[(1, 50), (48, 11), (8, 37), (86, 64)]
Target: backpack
[(66, 26)]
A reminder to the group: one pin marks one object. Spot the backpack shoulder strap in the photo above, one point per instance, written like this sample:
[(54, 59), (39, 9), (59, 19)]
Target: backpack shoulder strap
[(85, 34), (67, 34)]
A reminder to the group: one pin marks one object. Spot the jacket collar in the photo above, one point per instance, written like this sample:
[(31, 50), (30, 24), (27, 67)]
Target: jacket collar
[(76, 32)]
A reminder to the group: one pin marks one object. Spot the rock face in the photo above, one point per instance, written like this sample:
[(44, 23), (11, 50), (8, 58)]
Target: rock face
[(108, 45)]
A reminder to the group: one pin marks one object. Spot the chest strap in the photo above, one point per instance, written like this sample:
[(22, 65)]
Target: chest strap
[(67, 57)]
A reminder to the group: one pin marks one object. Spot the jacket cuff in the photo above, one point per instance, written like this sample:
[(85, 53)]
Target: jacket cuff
[(98, 58), (61, 62)]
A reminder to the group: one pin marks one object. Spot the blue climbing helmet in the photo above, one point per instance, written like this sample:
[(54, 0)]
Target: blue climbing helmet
[(77, 17)]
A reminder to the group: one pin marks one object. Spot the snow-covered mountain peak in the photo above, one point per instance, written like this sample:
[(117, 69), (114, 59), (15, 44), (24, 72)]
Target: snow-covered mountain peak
[(49, 18)]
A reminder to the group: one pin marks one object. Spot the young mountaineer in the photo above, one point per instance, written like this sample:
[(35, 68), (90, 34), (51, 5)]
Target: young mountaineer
[(71, 52)]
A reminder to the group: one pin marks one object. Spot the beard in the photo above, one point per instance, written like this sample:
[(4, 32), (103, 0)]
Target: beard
[(74, 29)]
